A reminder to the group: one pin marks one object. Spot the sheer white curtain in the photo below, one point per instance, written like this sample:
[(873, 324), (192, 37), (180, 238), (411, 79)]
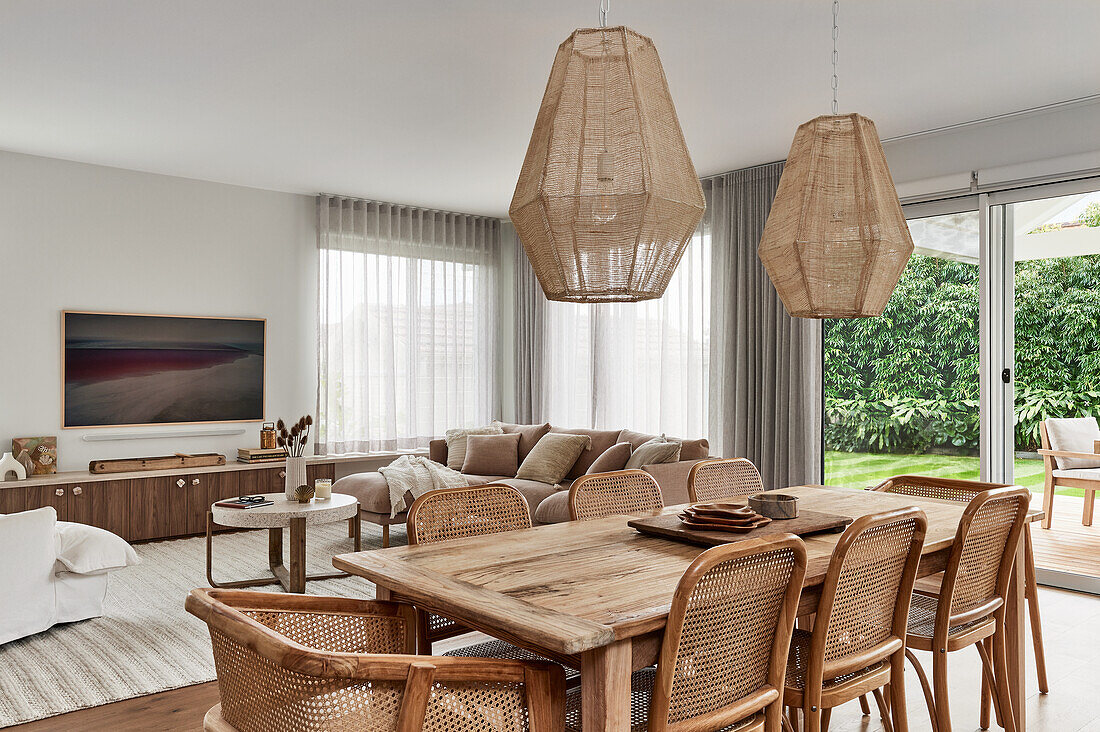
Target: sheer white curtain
[(644, 366), (407, 324)]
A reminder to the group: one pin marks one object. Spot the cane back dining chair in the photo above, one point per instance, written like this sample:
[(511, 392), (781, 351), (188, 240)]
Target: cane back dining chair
[(857, 643), (297, 663), (969, 608), (710, 480), (963, 491), (608, 494), (723, 657), (455, 513)]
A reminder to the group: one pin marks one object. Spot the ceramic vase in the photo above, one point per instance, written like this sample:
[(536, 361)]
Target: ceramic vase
[(8, 464), (295, 476)]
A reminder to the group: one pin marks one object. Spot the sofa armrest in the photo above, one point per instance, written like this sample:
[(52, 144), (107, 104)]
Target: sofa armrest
[(28, 544), (673, 479), (437, 451)]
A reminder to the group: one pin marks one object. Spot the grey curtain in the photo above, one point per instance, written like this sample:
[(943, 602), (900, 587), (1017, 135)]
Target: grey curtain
[(530, 305), (765, 379)]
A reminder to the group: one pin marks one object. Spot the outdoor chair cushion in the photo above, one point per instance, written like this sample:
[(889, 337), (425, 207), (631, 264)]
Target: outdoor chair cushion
[(1074, 435), (1080, 473)]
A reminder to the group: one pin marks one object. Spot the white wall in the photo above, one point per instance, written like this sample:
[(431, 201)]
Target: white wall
[(85, 237)]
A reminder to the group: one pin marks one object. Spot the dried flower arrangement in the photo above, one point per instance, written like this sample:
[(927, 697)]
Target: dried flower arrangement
[(293, 440)]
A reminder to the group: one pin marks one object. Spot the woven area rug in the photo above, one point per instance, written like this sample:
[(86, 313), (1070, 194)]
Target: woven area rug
[(146, 642)]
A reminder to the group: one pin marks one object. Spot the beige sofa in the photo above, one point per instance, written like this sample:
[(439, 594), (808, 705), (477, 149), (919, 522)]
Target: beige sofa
[(549, 503)]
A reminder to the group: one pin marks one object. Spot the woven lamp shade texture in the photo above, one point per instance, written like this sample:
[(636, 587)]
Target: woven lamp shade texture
[(618, 240), (836, 242)]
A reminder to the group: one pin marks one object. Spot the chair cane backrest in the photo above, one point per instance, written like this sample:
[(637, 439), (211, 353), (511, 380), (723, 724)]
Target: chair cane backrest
[(724, 652), (608, 494), (271, 679), (979, 568), (867, 591), (710, 480), (454, 513), (926, 486)]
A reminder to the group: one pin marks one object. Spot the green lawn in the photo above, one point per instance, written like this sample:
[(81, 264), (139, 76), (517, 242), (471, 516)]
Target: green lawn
[(860, 469)]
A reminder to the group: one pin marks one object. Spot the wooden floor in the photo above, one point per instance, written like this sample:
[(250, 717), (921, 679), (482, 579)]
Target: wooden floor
[(1068, 546), (1071, 623)]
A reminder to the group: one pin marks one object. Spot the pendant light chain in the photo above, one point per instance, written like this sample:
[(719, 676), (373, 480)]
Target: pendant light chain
[(605, 6), (836, 32)]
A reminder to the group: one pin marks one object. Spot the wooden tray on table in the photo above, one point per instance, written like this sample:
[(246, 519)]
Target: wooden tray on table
[(669, 526)]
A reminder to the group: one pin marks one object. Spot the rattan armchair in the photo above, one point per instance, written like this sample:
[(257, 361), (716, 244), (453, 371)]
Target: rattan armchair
[(724, 653), (963, 491), (970, 606), (627, 492), (857, 644), (298, 663), (710, 480)]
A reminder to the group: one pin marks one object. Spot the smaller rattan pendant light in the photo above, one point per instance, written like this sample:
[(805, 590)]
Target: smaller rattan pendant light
[(836, 242), (608, 198)]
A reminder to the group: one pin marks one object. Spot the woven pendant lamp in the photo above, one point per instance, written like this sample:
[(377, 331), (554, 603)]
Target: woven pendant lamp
[(836, 242), (607, 198)]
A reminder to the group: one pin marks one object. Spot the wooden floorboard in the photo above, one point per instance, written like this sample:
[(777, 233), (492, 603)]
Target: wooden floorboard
[(178, 710), (1068, 546)]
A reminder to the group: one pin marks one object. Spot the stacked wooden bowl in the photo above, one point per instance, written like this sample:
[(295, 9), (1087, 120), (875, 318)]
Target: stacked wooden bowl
[(735, 518)]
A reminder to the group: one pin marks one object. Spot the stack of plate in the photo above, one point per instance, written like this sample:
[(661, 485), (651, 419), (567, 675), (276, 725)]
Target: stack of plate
[(732, 517)]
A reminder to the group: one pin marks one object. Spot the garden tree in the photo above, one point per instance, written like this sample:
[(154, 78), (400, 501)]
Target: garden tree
[(907, 381)]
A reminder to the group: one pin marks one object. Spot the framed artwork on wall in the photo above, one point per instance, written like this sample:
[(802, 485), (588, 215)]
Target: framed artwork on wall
[(122, 369)]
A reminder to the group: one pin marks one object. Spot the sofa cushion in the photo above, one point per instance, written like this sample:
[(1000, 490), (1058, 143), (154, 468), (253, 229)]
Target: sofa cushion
[(552, 458), (492, 454), (554, 509), (689, 449), (456, 442), (613, 458), (373, 493), (529, 435), (85, 549), (654, 452), (534, 491), (1074, 435), (601, 440)]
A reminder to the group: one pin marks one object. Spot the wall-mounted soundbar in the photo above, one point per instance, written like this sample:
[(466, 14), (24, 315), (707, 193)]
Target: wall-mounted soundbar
[(211, 432)]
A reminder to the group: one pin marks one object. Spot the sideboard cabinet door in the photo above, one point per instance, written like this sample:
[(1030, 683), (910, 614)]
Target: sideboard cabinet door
[(105, 504)]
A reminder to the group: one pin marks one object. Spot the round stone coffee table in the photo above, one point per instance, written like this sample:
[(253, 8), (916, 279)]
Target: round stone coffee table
[(282, 514)]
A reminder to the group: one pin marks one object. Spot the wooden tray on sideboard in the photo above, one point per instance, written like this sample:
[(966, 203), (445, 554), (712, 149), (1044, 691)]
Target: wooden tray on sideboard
[(160, 462), (669, 526)]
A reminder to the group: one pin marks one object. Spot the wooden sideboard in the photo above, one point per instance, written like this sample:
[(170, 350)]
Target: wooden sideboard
[(141, 506)]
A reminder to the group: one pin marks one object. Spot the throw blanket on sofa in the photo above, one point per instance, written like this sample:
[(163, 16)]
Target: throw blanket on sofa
[(417, 475)]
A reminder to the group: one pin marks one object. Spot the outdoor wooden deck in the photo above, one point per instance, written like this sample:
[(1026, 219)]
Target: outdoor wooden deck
[(1067, 546)]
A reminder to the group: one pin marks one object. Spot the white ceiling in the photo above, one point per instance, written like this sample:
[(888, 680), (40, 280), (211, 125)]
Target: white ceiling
[(431, 103)]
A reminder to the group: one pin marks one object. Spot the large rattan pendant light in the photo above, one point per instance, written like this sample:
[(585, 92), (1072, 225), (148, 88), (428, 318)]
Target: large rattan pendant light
[(607, 198), (836, 241)]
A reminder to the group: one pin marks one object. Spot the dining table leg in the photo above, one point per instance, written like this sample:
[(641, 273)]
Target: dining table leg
[(1015, 640), (605, 687)]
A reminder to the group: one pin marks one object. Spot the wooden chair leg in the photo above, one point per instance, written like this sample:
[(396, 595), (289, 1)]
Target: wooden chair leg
[(883, 711), (1048, 500), (987, 695), (929, 700), (811, 718), (826, 715), (787, 724), (385, 536), (351, 528), (792, 717), (985, 650), (939, 691), (863, 706), (1086, 514), (1031, 594), (1002, 685), (423, 645), (899, 714)]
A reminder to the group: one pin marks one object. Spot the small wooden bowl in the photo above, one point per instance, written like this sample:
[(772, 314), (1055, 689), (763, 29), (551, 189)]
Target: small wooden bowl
[(775, 505)]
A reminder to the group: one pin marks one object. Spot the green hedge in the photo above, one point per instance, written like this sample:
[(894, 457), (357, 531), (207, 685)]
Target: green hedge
[(908, 381)]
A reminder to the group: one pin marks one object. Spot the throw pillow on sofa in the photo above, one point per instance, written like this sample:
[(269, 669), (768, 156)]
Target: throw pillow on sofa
[(492, 454), (84, 549), (529, 435), (456, 443), (658, 450), (552, 457), (613, 458)]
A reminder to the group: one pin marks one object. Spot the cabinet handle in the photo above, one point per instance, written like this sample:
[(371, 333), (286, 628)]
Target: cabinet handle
[(77, 491), (59, 491), (194, 481), (181, 482), (282, 473)]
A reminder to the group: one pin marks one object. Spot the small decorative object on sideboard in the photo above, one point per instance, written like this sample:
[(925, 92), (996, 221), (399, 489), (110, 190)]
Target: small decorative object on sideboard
[(268, 436), (9, 465), (323, 488), (293, 440), (304, 493), (775, 505), (41, 452)]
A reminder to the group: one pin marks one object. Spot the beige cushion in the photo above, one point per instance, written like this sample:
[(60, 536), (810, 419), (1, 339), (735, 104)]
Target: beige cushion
[(491, 454), (1076, 434), (601, 440), (529, 435), (553, 510), (552, 457), (373, 494), (1079, 473), (534, 491), (613, 458), (689, 449), (456, 443), (656, 451)]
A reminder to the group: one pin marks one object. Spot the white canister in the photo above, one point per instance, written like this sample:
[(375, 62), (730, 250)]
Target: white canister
[(322, 489), (295, 476)]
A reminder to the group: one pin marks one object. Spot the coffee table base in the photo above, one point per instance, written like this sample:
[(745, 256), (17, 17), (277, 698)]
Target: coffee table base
[(292, 578)]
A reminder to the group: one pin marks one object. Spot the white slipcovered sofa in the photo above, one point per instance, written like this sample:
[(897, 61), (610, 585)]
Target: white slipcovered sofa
[(53, 571)]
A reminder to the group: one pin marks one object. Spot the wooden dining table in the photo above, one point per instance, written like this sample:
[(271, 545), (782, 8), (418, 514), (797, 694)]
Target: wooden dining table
[(596, 594)]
